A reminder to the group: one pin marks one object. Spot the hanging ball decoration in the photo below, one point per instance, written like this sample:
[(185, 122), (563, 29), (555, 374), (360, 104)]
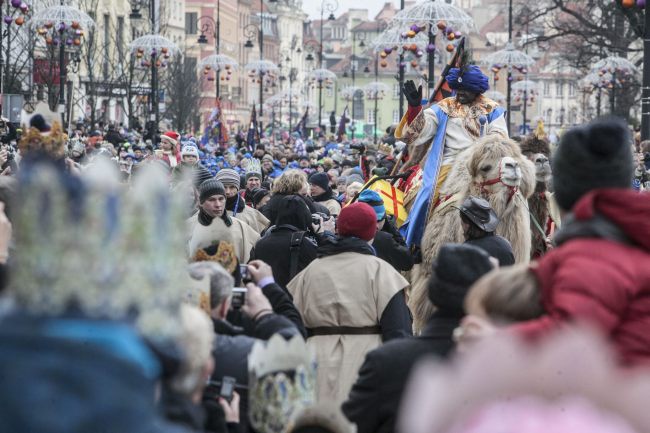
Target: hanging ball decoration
[(410, 34), (510, 78), (8, 20), (68, 42), (496, 78), (61, 27), (404, 35), (49, 40), (495, 69), (206, 72), (383, 63), (640, 4), (624, 3), (419, 53), (387, 51), (431, 48), (450, 48), (41, 31), (451, 36), (228, 78), (414, 63), (16, 3), (415, 28), (383, 55), (20, 21), (24, 7), (75, 25), (49, 25), (441, 25), (164, 50), (457, 34)]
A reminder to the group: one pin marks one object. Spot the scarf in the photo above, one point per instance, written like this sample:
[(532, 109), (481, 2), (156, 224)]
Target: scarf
[(206, 220), (172, 158), (327, 195), (340, 245), (235, 204)]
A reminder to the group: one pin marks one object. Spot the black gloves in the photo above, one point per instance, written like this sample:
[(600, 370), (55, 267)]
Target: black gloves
[(413, 95)]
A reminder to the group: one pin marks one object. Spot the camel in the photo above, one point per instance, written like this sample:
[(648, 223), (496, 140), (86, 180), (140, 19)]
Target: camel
[(495, 169)]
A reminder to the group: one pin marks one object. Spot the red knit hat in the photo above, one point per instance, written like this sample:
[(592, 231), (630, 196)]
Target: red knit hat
[(358, 220)]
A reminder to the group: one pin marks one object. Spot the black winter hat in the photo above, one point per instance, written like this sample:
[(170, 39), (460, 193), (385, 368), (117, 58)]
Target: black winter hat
[(598, 155), (320, 179), (209, 188), (259, 194), (456, 269)]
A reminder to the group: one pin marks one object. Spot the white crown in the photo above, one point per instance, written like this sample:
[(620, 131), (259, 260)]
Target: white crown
[(282, 381), (87, 243), (254, 166)]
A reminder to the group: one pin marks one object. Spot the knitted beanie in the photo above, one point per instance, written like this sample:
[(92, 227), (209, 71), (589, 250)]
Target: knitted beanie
[(457, 268), (228, 177), (190, 150), (357, 220), (320, 179), (598, 155), (372, 198), (209, 188), (252, 174)]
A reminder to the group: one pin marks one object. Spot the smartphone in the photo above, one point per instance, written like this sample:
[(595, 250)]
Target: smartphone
[(238, 297), (227, 388), (245, 275)]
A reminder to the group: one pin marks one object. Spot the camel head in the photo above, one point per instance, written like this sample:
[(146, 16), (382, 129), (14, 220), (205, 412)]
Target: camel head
[(495, 166), (542, 167)]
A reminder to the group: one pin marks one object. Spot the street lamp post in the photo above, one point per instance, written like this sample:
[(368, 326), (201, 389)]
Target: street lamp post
[(645, 89), (217, 39), (329, 6), (353, 69)]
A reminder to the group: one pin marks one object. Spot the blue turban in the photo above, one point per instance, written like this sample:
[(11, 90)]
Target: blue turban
[(470, 78)]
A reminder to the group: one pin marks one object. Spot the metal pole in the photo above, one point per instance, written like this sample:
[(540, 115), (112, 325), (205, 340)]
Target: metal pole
[(432, 58), (354, 93), (154, 79), (2, 88), (377, 95), (645, 92), (261, 58), (320, 66), (525, 108), (612, 98), (509, 84), (218, 43), (599, 99), (401, 77), (62, 79)]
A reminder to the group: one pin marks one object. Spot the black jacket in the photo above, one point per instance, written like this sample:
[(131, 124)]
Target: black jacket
[(376, 396), (231, 351), (497, 247), (389, 250), (274, 249)]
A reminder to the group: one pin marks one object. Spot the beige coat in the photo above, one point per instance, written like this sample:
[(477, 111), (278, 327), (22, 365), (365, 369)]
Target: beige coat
[(239, 234), (253, 218), (332, 205), (347, 289)]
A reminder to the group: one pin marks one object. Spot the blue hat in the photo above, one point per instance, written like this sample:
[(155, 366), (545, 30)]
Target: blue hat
[(373, 199), (470, 78)]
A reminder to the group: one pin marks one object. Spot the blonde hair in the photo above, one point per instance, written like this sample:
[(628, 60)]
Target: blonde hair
[(509, 294), (195, 340), (290, 182)]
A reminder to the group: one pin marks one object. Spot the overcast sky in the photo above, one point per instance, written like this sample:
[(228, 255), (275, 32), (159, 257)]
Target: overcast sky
[(312, 7)]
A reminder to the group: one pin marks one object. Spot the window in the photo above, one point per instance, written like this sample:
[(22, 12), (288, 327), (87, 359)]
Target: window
[(549, 116), (370, 117), (396, 90), (396, 118), (559, 89), (107, 40), (120, 43), (191, 23), (547, 88), (572, 90)]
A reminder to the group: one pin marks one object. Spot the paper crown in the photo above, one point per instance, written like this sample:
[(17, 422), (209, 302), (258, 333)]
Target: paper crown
[(86, 244), (254, 166), (282, 381)]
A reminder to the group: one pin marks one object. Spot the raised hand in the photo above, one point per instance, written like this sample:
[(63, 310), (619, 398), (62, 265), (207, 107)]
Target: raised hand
[(413, 95)]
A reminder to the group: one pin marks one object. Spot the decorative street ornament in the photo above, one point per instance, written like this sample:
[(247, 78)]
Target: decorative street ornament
[(56, 15), (496, 96), (376, 90), (321, 75), (154, 45), (261, 66), (219, 62), (349, 92), (508, 58), (432, 12), (613, 64), (525, 86)]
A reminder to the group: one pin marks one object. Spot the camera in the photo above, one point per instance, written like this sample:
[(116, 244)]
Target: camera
[(238, 297)]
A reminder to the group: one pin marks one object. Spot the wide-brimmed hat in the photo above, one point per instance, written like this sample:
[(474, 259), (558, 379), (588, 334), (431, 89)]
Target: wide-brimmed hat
[(479, 212)]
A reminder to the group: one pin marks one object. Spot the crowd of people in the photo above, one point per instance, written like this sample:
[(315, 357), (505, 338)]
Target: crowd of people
[(171, 285)]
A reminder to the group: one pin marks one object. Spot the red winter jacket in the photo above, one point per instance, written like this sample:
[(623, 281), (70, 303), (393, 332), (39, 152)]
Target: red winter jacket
[(602, 282)]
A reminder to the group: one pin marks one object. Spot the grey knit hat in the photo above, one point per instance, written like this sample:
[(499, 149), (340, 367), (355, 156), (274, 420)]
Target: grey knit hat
[(209, 188), (228, 177)]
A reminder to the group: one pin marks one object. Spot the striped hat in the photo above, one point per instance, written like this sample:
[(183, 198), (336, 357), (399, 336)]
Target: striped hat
[(228, 177)]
